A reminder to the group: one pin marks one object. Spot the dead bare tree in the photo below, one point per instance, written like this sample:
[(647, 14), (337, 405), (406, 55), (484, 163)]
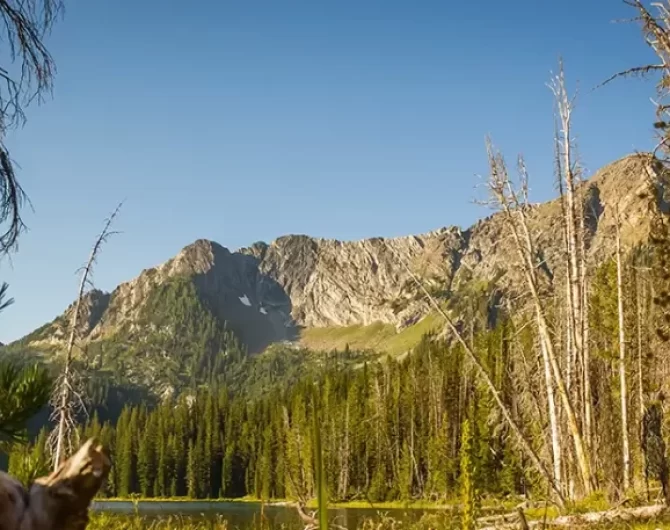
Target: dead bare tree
[(514, 206), (28, 77), (625, 444), (568, 174), (67, 397), (569, 322)]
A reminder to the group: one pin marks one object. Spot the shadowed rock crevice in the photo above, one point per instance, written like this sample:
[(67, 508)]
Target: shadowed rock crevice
[(254, 305)]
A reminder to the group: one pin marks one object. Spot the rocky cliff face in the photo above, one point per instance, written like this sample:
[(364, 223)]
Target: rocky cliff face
[(267, 292)]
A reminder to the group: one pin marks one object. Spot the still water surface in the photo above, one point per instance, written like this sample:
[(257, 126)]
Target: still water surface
[(246, 515)]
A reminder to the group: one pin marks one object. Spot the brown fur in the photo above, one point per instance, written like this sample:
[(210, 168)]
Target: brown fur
[(12, 502), (59, 501)]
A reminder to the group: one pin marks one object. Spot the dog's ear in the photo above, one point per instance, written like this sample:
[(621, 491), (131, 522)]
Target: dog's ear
[(12, 502), (90, 462)]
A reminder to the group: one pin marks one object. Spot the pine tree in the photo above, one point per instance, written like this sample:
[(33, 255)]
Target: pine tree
[(107, 438), (40, 455), (146, 457), (193, 489), (265, 466), (405, 473), (124, 455), (163, 462), (468, 488)]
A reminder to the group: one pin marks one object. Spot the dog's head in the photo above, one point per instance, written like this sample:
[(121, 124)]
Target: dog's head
[(12, 502), (61, 500)]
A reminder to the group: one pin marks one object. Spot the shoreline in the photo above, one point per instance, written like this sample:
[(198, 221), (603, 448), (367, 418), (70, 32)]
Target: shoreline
[(355, 504)]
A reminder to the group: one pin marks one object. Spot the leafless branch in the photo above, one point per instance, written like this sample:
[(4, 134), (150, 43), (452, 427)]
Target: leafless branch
[(67, 399), (26, 23), (639, 71), (4, 302)]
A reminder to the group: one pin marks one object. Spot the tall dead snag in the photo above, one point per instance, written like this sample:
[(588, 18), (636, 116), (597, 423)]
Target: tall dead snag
[(67, 397), (573, 226), (625, 444), (569, 318), (481, 371), (514, 207)]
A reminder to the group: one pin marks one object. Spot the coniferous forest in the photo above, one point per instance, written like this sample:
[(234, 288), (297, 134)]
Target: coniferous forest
[(393, 429)]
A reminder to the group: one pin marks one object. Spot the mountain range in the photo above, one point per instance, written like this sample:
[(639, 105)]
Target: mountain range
[(323, 294)]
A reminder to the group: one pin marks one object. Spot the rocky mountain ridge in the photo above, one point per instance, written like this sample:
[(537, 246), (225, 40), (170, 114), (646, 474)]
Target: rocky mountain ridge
[(270, 292)]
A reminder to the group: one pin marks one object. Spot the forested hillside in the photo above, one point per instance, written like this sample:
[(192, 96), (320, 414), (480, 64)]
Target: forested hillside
[(392, 429)]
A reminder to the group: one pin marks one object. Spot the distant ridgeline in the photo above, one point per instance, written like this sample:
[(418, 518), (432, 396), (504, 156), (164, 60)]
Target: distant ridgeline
[(201, 371)]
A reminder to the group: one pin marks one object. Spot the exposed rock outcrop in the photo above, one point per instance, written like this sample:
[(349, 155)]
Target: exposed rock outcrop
[(268, 291)]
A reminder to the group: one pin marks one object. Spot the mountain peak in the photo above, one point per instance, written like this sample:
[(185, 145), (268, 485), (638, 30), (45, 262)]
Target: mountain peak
[(196, 258), (268, 292)]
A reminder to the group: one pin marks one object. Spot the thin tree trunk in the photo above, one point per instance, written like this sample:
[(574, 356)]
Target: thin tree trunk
[(625, 445), (640, 385), (571, 323), (586, 346), (575, 244), (584, 323), (569, 349), (64, 392), (344, 457), (66, 383), (553, 416)]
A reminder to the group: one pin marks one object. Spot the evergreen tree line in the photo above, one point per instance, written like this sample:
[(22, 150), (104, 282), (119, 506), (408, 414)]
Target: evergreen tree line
[(393, 429), (386, 434)]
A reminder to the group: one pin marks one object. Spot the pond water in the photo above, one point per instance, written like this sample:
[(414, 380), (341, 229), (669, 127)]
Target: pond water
[(247, 515)]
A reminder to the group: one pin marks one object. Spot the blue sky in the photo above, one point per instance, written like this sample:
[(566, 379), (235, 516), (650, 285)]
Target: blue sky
[(243, 121)]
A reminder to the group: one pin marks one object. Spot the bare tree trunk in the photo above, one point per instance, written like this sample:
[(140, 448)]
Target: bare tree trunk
[(586, 346), (640, 384), (625, 445), (571, 373), (583, 459), (65, 391), (569, 349), (584, 323), (553, 416), (574, 229), (569, 313)]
